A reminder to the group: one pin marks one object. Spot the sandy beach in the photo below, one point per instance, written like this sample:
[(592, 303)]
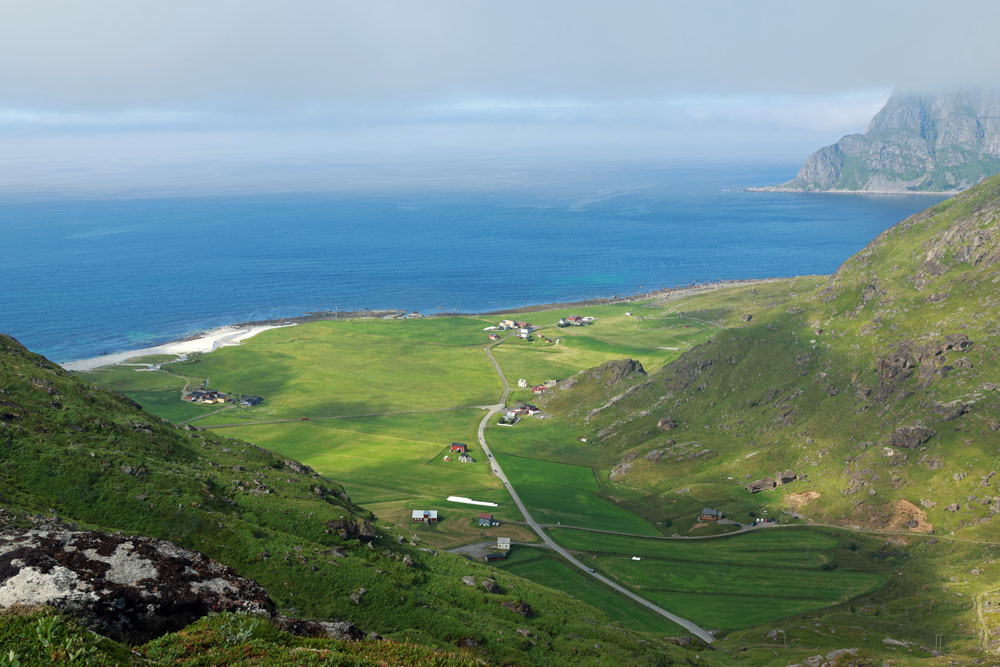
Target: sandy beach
[(210, 340)]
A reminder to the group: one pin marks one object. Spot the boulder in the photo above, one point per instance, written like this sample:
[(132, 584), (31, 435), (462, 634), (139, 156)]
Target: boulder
[(469, 580), (758, 485), (910, 436), (350, 529), (323, 629), (666, 424), (127, 588), (518, 607)]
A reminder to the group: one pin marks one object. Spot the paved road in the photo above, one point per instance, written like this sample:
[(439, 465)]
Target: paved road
[(694, 629)]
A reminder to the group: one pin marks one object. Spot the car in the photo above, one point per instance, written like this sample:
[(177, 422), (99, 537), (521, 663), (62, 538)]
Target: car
[(590, 569), (490, 455)]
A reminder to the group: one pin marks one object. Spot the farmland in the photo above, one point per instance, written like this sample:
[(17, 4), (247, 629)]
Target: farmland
[(725, 582)]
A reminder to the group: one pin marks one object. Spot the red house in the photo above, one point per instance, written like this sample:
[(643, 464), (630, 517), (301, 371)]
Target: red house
[(538, 389), (459, 447)]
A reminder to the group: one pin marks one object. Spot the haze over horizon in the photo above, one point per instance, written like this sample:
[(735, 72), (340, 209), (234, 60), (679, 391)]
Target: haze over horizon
[(140, 97)]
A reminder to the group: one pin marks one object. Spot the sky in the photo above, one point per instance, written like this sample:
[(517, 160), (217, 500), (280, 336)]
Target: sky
[(139, 95)]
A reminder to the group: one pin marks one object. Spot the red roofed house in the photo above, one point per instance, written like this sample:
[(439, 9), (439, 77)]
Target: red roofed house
[(459, 447)]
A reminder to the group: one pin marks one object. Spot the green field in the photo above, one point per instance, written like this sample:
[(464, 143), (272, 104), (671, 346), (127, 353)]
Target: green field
[(354, 367), (739, 581), (540, 566), (156, 391), (613, 335), (563, 493)]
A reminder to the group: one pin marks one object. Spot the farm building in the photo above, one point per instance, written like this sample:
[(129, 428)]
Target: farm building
[(430, 516), (495, 557), (206, 397), (494, 336), (459, 447), (538, 389), (465, 458), (503, 543), (710, 514), (486, 519), (551, 383), (522, 383), (250, 401)]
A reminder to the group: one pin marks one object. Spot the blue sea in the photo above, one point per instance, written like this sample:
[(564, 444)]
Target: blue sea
[(83, 277)]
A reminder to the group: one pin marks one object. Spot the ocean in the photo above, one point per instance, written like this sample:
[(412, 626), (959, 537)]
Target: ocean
[(83, 277)]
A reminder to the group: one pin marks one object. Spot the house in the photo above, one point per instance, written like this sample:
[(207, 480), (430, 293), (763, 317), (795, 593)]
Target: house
[(531, 409), (250, 401), (710, 514), (525, 330), (575, 319), (430, 516), (538, 389), (495, 557), (563, 322), (522, 383), (465, 458), (523, 325), (507, 324), (503, 543), (207, 397), (551, 383), (494, 336), (459, 447), (524, 336), (487, 521), (588, 320)]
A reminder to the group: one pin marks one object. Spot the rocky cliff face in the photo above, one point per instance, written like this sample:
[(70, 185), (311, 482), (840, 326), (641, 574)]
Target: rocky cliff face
[(917, 143)]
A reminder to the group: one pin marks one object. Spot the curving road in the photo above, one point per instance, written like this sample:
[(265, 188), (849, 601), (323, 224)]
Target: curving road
[(694, 629)]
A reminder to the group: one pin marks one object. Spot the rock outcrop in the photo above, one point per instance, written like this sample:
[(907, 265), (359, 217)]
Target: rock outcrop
[(125, 588), (939, 142)]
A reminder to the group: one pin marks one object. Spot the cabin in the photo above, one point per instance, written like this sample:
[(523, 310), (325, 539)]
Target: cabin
[(710, 514), (486, 520), (495, 557), (459, 447), (250, 401), (503, 543), (428, 516), (465, 458)]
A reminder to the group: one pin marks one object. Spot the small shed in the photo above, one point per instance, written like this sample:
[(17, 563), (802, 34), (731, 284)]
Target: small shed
[(459, 447), (465, 458), (503, 543), (429, 516)]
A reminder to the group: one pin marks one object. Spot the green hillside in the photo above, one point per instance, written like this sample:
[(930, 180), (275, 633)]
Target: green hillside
[(78, 455), (877, 387)]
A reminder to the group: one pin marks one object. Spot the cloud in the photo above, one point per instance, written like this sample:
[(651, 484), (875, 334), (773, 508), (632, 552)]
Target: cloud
[(258, 54)]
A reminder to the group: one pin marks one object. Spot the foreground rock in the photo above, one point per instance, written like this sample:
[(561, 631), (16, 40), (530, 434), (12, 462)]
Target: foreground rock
[(125, 588)]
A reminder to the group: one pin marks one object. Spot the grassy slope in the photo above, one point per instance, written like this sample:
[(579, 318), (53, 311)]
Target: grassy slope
[(820, 378), (74, 450)]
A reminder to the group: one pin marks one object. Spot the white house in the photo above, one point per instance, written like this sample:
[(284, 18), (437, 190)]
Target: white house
[(503, 543), (522, 383)]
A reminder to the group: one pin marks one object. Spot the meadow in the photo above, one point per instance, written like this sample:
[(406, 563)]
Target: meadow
[(742, 580), (539, 565)]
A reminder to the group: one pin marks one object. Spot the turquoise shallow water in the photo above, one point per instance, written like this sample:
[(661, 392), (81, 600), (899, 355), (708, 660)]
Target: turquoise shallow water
[(80, 278)]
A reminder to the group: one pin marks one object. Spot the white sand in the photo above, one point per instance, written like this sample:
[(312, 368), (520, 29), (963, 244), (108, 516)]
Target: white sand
[(211, 340)]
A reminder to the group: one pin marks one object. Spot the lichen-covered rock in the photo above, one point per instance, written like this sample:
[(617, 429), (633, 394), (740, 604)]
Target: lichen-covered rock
[(518, 607), (125, 588), (324, 629), (350, 529), (758, 485), (666, 424)]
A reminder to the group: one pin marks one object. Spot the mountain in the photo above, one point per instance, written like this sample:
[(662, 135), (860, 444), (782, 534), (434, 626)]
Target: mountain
[(75, 458), (941, 142)]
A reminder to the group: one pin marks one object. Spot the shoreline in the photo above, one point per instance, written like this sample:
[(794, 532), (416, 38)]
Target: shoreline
[(888, 193), (236, 333)]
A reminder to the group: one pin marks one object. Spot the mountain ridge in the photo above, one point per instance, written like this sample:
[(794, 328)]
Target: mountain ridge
[(935, 143)]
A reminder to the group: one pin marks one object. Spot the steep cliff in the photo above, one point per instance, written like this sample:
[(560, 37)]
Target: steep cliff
[(916, 143)]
